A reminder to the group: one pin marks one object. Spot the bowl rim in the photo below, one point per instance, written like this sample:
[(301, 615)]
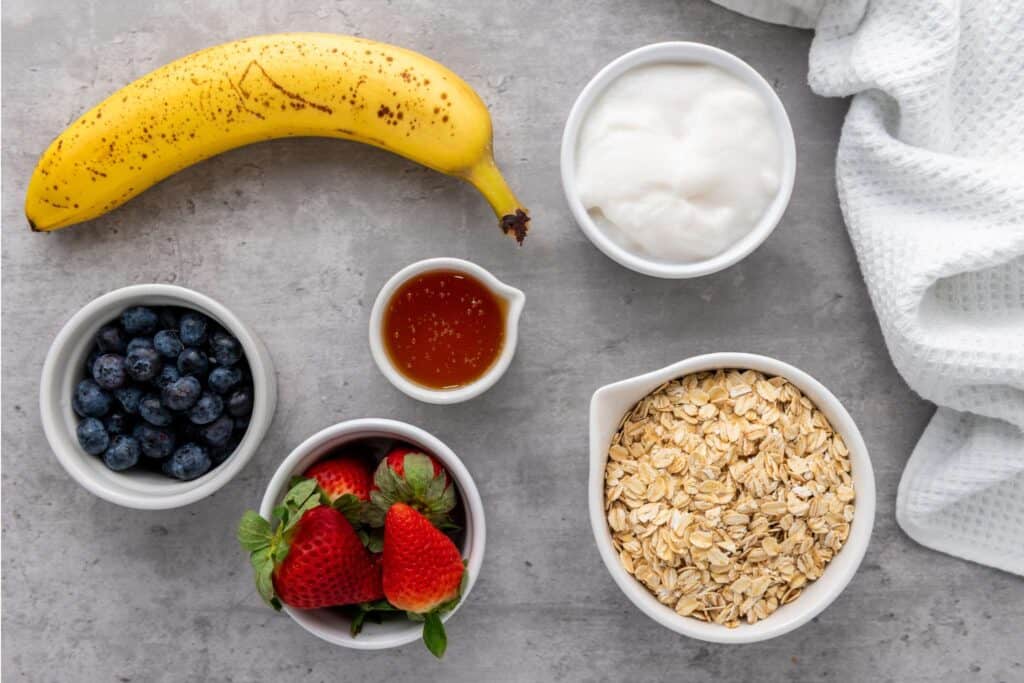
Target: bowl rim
[(474, 544), (677, 52), (835, 577), (514, 300), (55, 415)]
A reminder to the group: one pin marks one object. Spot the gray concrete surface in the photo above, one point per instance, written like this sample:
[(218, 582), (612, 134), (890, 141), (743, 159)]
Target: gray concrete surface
[(297, 236)]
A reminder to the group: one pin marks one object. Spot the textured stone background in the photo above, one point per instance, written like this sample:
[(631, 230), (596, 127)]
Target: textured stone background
[(297, 236)]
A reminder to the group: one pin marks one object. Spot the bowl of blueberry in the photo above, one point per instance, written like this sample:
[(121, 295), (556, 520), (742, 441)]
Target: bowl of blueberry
[(155, 396)]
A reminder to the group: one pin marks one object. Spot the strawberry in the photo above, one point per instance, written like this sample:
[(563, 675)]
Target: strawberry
[(416, 479), (423, 571), (314, 557), (345, 482)]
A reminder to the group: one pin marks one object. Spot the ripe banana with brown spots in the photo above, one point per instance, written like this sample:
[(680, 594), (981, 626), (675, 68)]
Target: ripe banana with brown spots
[(260, 88)]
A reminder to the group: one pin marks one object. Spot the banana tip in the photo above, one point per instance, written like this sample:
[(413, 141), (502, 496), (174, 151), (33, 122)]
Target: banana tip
[(516, 224), (32, 225)]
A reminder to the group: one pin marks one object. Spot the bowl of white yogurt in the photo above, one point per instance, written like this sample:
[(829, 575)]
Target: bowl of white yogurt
[(678, 160)]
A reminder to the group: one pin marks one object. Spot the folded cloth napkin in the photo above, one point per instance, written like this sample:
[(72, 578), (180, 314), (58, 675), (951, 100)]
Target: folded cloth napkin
[(930, 172)]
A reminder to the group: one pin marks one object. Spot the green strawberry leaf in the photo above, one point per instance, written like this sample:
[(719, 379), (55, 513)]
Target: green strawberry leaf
[(350, 506), (280, 550), (448, 499), (436, 489), (300, 493), (434, 636), (253, 531), (263, 564), (375, 540), (357, 622), (280, 514), (418, 473)]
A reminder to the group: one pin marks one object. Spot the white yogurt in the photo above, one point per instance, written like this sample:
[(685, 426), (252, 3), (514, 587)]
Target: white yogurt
[(678, 161)]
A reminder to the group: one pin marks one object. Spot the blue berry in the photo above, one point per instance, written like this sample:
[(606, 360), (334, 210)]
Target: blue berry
[(110, 339), (153, 412), (116, 423), (168, 344), (240, 402), (226, 349), (143, 364), (182, 394), (193, 362), (129, 398), (92, 437), (90, 400), (139, 320), (242, 423), (122, 454), (219, 431), (168, 375), (207, 409), (91, 360), (167, 318), (219, 454), (155, 443), (109, 371), (139, 343), (222, 380), (192, 328), (188, 462)]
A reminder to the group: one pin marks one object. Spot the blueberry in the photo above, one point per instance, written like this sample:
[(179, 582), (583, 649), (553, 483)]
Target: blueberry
[(92, 437), (167, 318), (90, 400), (242, 423), (193, 362), (122, 454), (168, 375), (192, 328), (109, 371), (139, 320), (153, 412), (219, 454), (182, 394), (240, 402), (129, 398), (116, 423), (143, 364), (91, 360), (226, 349), (219, 431), (168, 344), (207, 409), (222, 380), (188, 462), (110, 339), (155, 443), (139, 343)]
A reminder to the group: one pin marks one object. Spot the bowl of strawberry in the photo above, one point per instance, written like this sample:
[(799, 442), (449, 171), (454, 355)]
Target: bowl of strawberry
[(370, 535)]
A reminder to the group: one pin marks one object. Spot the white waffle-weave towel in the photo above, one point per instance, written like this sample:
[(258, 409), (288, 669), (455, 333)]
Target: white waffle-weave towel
[(930, 172)]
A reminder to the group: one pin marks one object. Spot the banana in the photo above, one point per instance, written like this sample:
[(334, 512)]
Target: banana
[(260, 88)]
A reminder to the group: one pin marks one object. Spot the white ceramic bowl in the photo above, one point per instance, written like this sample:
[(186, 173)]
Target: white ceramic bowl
[(329, 624), (65, 367), (608, 406), (512, 298), (686, 53)]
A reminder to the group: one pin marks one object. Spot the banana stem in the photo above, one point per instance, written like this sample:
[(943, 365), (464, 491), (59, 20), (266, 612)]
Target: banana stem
[(512, 218)]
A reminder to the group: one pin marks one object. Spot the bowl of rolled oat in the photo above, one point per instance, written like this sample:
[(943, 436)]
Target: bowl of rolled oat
[(731, 495)]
